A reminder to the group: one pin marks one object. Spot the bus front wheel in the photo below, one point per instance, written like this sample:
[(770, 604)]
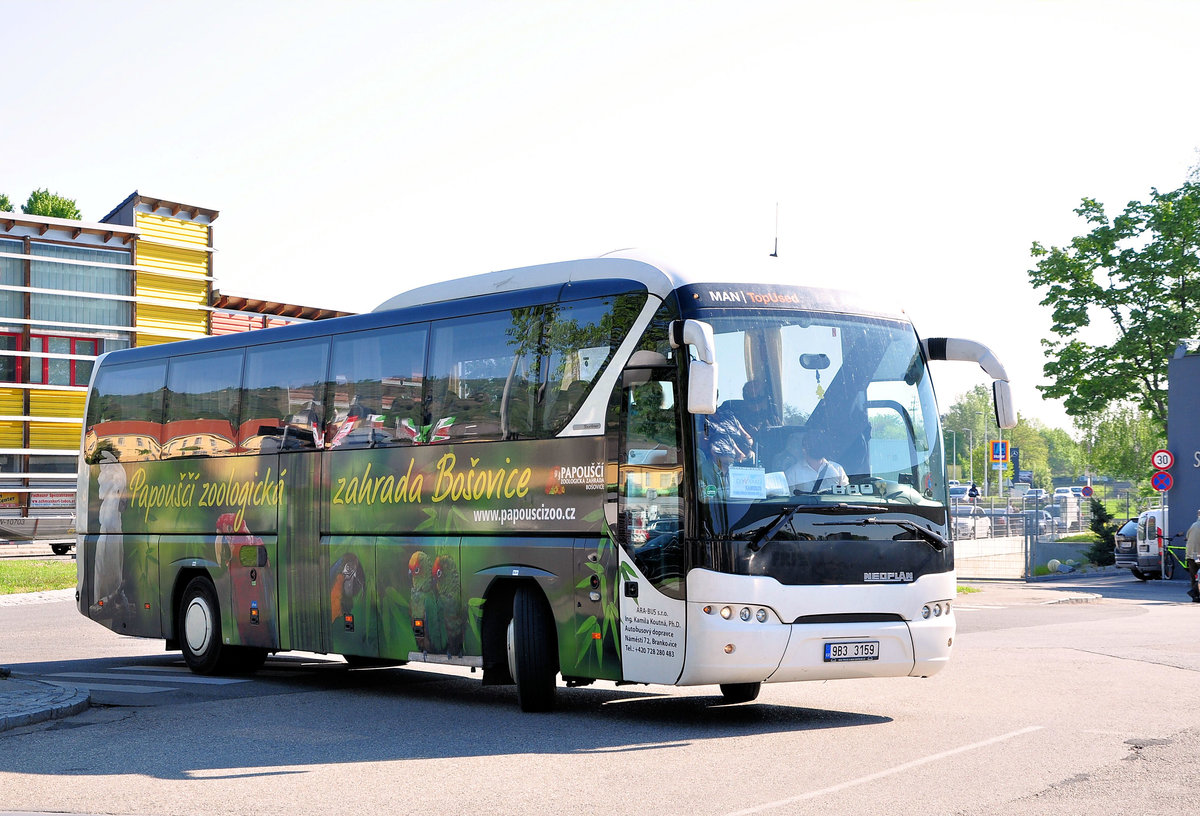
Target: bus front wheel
[(740, 692), (199, 624), (533, 650)]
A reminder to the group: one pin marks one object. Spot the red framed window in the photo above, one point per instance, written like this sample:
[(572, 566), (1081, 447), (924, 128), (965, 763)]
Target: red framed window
[(58, 371)]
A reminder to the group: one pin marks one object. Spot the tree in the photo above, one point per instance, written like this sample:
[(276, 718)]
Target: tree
[(1119, 441), (1140, 270), (1102, 552), (5, 204), (43, 202), (1063, 453)]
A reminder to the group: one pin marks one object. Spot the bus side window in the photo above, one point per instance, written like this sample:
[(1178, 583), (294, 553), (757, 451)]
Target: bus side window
[(578, 341), (651, 512), (125, 411), (483, 376), (374, 393), (203, 392), (282, 408)]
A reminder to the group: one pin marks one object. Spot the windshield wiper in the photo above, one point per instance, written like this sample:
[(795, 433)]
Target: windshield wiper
[(930, 537), (786, 515), (770, 529)]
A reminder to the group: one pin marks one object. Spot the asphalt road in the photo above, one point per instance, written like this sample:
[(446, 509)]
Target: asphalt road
[(1080, 708)]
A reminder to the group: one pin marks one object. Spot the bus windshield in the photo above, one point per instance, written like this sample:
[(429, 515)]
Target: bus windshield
[(817, 408)]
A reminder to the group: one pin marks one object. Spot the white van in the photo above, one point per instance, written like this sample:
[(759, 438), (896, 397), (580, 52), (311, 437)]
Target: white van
[(1152, 531)]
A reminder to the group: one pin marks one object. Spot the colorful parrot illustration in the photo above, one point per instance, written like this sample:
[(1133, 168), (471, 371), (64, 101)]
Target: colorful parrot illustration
[(347, 581), (449, 596), (232, 537), (243, 553), (422, 600)]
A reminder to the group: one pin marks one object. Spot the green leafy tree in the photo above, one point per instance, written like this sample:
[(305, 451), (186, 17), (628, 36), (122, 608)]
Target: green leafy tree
[(1140, 271), (1119, 441), (44, 202), (1063, 454), (5, 204)]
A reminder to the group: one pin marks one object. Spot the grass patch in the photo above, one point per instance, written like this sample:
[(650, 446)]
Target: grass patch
[(1080, 538), (35, 576), (967, 590)]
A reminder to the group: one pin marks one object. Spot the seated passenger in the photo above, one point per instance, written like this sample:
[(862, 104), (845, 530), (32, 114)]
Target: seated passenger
[(730, 431), (813, 473), (727, 441)]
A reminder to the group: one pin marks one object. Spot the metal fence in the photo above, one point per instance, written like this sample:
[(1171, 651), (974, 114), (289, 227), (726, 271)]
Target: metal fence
[(1009, 538)]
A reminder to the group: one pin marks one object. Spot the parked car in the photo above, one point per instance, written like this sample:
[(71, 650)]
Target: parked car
[(1077, 490), (1125, 548), (958, 493), (1035, 494), (970, 521), (1040, 522), (1063, 491)]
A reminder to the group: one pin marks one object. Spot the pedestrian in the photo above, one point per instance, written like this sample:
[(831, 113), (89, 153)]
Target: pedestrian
[(1192, 556)]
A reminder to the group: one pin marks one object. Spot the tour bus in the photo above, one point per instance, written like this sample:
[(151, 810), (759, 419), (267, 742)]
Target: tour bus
[(593, 469)]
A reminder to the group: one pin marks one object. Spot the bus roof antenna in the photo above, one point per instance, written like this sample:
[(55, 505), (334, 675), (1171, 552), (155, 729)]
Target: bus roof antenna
[(775, 254)]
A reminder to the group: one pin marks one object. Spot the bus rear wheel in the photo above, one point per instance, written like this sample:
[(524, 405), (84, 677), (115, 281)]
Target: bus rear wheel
[(199, 625), (740, 692), (533, 650)]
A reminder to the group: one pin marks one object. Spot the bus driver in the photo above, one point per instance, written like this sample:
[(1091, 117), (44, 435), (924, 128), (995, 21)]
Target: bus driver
[(812, 472)]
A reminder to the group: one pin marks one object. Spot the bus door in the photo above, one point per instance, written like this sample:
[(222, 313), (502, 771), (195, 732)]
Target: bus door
[(650, 525)]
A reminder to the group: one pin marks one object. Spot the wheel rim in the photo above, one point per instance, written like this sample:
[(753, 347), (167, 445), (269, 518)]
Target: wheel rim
[(198, 626), (512, 655)]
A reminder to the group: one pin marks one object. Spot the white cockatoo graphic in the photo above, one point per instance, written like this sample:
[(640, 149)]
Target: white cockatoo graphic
[(110, 546)]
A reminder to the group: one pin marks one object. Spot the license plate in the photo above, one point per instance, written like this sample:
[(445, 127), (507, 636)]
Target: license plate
[(858, 650)]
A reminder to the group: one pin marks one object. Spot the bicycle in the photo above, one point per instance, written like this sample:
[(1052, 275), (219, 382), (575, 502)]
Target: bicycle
[(1169, 557)]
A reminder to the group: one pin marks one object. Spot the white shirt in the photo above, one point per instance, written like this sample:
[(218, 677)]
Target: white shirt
[(803, 477)]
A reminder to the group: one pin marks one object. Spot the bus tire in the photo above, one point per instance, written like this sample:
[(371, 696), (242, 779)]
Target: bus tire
[(533, 650), (198, 625), (740, 692)]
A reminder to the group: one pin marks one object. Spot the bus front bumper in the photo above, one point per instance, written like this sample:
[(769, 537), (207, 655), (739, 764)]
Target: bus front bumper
[(734, 651)]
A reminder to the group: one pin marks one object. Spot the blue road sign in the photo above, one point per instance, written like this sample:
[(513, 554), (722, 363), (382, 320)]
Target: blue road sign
[(1161, 481)]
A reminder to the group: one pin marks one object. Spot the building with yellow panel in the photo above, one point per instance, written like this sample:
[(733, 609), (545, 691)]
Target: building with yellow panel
[(72, 290)]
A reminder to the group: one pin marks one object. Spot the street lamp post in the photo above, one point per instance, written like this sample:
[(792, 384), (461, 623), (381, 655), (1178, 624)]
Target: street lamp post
[(971, 431), (986, 458), (955, 443)]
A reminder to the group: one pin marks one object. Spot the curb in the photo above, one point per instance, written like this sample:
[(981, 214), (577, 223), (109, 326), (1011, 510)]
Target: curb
[(26, 702)]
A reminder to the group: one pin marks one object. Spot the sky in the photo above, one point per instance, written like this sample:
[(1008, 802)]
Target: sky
[(911, 149)]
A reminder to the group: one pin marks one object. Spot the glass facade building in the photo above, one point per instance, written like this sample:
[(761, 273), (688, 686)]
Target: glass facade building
[(72, 290)]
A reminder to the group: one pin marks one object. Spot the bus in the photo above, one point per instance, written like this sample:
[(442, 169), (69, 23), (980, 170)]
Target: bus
[(592, 470)]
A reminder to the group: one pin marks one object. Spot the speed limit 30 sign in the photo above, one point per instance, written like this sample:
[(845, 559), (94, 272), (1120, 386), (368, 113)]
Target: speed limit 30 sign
[(1162, 459)]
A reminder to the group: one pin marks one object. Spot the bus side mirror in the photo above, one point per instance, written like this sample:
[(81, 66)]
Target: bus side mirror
[(702, 373), (702, 387), (1006, 412)]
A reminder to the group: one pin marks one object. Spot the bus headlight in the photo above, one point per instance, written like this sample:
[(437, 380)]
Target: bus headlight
[(925, 611), (761, 616), (726, 612), (745, 614)]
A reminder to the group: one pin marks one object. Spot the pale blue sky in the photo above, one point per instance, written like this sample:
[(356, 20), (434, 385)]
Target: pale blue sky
[(355, 149)]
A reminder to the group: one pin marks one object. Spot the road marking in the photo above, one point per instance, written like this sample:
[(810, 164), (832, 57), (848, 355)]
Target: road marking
[(207, 681), (862, 780), (961, 607), (109, 687)]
